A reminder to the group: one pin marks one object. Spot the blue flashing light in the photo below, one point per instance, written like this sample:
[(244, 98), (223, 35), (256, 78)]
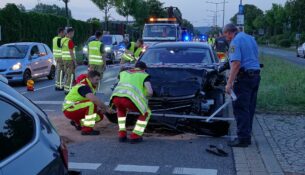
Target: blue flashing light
[(186, 38)]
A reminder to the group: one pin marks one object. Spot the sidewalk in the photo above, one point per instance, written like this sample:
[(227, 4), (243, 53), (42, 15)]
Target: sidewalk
[(278, 147)]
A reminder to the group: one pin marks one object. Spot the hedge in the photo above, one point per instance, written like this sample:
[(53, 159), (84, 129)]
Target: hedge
[(36, 27)]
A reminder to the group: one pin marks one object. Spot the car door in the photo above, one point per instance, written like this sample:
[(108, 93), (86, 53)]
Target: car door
[(18, 137), (34, 60), (43, 60)]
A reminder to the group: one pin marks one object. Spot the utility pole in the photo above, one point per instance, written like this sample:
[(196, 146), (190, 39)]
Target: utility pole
[(217, 3), (67, 12), (223, 15)]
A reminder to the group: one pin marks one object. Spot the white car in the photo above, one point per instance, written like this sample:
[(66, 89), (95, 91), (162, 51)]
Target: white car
[(301, 51)]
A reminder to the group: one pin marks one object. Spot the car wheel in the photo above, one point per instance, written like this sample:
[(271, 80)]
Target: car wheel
[(26, 76), (298, 54), (52, 73)]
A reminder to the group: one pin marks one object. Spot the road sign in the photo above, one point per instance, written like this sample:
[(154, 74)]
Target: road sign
[(240, 9), (240, 19)]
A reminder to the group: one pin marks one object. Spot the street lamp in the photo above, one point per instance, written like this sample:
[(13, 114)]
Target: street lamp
[(67, 11)]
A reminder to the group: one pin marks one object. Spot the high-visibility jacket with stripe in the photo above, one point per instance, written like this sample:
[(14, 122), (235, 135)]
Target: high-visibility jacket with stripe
[(136, 53), (56, 49), (211, 41), (65, 49), (95, 55), (131, 86), (74, 97)]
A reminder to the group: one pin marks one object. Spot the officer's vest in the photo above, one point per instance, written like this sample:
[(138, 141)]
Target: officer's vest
[(65, 49), (131, 86), (56, 49), (95, 55), (74, 97)]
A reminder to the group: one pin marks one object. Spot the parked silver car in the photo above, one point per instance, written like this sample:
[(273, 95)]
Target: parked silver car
[(29, 144), (22, 61), (301, 51)]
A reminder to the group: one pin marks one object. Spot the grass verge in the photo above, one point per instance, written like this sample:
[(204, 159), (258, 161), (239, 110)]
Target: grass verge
[(282, 87)]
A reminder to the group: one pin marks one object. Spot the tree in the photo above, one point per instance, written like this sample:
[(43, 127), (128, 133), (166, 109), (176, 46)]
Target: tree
[(21, 8), (251, 12), (50, 9), (105, 6)]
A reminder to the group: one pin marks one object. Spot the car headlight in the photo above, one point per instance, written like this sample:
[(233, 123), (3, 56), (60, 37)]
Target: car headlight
[(17, 66), (85, 49), (107, 49)]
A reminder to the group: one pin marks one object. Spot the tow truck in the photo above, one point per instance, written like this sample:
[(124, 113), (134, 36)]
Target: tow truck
[(163, 29)]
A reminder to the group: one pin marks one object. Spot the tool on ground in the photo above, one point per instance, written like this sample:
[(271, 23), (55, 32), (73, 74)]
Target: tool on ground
[(217, 150)]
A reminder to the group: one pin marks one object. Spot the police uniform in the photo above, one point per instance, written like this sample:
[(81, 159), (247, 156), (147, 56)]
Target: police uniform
[(243, 48)]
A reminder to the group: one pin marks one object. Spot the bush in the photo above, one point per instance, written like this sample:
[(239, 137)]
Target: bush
[(36, 27), (284, 43)]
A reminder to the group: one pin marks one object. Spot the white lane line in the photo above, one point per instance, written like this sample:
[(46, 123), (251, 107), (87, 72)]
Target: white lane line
[(137, 168), (48, 110), (38, 89), (84, 166), (55, 102), (194, 171), (48, 102)]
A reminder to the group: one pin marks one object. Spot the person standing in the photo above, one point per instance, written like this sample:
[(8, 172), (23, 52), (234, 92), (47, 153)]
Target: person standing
[(244, 79), (68, 56), (131, 95), (133, 52), (221, 47), (58, 59), (97, 60)]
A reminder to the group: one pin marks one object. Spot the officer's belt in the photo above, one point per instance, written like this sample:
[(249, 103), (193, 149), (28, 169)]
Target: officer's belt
[(249, 72)]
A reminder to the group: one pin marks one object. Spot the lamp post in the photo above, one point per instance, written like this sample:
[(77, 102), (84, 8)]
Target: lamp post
[(67, 12)]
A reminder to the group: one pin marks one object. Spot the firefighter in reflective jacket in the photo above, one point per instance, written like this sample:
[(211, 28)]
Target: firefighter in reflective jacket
[(131, 95), (96, 51), (68, 57), (58, 58), (133, 52), (82, 107)]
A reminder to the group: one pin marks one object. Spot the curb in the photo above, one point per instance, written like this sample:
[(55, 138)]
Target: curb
[(271, 163)]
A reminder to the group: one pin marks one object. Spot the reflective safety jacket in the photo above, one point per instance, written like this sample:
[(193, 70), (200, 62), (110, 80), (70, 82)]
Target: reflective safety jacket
[(95, 55), (56, 49), (65, 49)]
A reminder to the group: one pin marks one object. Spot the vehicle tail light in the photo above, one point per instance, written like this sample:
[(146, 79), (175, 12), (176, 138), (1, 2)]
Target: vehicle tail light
[(64, 151)]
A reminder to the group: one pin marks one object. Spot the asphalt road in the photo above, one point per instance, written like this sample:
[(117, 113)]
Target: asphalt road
[(284, 54), (179, 154)]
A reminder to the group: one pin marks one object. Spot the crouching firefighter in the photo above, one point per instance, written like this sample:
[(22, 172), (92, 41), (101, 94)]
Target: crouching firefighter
[(133, 52), (82, 107), (131, 95)]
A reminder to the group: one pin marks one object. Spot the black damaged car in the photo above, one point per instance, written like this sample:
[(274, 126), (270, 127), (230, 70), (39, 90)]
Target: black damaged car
[(187, 81)]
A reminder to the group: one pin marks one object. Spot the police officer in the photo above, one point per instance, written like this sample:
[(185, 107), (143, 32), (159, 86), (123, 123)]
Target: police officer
[(58, 59), (133, 51), (131, 95), (68, 56), (96, 50), (221, 47), (211, 41), (243, 80)]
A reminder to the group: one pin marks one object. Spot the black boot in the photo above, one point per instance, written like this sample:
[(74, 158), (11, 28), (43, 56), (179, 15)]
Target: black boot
[(91, 133), (239, 143)]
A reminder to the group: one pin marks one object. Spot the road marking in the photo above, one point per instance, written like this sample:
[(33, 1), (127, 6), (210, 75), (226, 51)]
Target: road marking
[(48, 110), (137, 168), (48, 102), (55, 102), (194, 171), (84, 166), (38, 89)]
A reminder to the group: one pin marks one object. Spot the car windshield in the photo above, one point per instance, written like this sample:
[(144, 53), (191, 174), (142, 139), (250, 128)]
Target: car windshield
[(177, 55), (13, 51), (159, 31), (107, 40)]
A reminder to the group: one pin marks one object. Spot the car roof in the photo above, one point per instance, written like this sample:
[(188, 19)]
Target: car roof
[(180, 45), (22, 43)]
